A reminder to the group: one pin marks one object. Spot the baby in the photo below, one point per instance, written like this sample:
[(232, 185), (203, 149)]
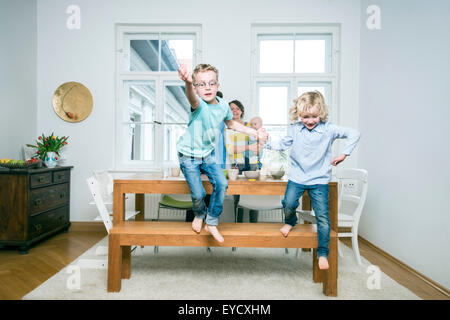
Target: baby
[(254, 157), (256, 123)]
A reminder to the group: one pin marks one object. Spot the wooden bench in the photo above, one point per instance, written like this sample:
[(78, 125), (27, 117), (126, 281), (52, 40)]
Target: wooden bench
[(125, 234)]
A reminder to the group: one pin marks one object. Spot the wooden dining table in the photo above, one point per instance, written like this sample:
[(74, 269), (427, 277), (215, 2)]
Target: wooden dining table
[(141, 232)]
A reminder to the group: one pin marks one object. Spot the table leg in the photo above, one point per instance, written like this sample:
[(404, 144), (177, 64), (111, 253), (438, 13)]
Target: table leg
[(114, 264), (126, 262), (139, 202), (317, 273), (306, 206), (330, 276), (118, 205)]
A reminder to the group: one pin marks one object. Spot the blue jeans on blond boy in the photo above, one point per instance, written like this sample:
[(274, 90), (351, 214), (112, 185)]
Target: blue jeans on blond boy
[(319, 201), (192, 168)]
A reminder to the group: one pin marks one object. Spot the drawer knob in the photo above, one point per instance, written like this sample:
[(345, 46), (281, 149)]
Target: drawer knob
[(37, 227), (38, 202), (61, 195), (40, 179)]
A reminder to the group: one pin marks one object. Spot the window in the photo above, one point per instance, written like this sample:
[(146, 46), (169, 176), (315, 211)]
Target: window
[(287, 61), (152, 109)]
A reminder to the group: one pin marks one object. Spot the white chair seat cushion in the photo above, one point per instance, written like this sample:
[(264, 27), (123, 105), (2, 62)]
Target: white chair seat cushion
[(260, 202)]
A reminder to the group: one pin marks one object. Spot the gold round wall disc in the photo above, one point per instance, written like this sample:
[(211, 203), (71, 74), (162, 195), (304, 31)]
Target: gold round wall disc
[(72, 102)]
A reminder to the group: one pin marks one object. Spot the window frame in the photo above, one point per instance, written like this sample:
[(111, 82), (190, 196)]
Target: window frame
[(294, 78), (121, 163)]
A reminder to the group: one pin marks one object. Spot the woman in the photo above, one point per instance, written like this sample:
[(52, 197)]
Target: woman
[(237, 146)]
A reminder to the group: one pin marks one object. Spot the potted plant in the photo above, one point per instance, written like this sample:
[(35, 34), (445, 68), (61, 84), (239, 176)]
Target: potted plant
[(48, 148)]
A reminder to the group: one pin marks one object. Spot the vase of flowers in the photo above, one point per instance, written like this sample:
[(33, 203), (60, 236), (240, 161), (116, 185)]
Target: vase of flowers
[(48, 147), (51, 159)]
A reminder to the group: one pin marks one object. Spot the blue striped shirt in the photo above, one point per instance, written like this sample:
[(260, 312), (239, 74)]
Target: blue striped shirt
[(310, 154)]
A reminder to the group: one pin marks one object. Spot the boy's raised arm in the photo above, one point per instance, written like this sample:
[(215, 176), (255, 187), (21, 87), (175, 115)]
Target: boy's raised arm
[(260, 134), (184, 75)]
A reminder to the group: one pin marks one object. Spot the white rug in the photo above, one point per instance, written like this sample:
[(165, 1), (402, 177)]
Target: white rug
[(184, 273)]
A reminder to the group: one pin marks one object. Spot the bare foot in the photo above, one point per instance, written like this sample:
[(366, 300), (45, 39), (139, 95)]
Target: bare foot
[(323, 263), (215, 233), (285, 229), (197, 224)]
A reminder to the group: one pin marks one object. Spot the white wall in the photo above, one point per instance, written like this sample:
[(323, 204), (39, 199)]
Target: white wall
[(404, 119), (87, 55), (18, 39)]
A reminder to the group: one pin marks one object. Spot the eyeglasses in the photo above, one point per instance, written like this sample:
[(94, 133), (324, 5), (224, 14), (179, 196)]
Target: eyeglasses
[(203, 85)]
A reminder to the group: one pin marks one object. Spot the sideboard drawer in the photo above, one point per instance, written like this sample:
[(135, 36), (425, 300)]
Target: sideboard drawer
[(48, 221), (61, 176), (47, 198), (40, 179)]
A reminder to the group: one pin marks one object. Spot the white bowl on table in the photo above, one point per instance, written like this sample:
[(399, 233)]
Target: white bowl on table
[(251, 174)]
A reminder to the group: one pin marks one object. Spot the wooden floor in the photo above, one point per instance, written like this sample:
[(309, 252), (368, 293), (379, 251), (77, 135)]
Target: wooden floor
[(20, 274)]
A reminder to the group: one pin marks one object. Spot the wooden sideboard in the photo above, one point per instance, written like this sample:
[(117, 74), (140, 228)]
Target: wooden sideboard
[(34, 204)]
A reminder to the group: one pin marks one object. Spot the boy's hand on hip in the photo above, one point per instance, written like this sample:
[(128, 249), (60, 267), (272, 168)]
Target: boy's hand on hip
[(338, 159), (184, 74)]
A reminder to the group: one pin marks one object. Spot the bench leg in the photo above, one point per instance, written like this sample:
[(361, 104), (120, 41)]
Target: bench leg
[(126, 262), (114, 264), (330, 275), (317, 273)]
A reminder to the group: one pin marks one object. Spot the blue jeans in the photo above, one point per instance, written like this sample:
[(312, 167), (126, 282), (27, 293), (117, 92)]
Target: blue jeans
[(319, 201), (192, 168)]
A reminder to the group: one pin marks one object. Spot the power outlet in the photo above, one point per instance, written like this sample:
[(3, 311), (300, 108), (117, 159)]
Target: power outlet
[(350, 185)]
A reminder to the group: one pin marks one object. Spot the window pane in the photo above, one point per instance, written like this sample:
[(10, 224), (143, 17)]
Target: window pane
[(140, 141), (176, 52), (172, 133), (273, 104), (176, 117), (276, 56), (138, 115), (302, 90), (310, 56), (176, 104), (144, 55)]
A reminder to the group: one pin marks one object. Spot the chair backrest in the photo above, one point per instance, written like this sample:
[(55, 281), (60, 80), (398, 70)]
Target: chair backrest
[(356, 181), (254, 202), (106, 185), (94, 186)]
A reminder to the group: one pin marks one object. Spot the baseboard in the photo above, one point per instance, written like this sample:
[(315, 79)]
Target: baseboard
[(416, 273), (88, 226)]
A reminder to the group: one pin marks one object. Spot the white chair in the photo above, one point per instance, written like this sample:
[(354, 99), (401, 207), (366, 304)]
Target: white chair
[(101, 187), (352, 193), (260, 203)]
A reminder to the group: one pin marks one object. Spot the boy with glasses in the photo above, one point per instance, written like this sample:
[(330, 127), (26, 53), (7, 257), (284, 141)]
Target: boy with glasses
[(196, 146)]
